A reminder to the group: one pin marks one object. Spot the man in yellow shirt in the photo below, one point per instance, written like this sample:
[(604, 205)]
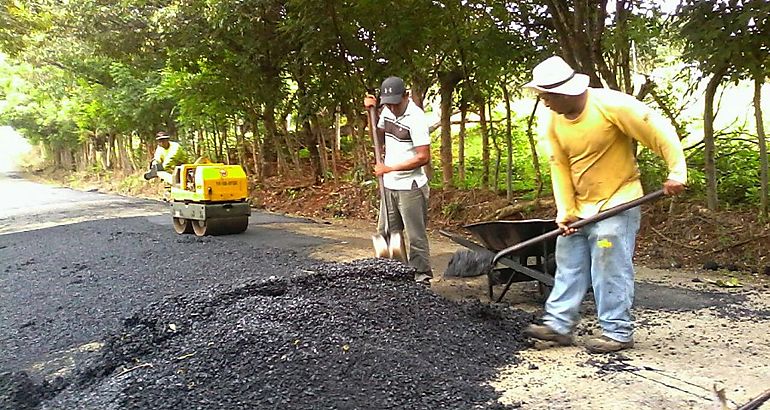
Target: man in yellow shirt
[(167, 156), (591, 137)]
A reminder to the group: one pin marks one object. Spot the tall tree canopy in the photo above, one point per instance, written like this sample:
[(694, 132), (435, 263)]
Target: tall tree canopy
[(268, 83)]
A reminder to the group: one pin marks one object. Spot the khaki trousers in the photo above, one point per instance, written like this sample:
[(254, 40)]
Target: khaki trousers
[(407, 211)]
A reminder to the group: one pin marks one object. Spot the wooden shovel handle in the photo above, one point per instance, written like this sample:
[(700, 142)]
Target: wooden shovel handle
[(578, 224), (372, 117)]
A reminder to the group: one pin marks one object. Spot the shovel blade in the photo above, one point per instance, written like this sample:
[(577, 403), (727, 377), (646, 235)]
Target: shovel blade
[(380, 245), (393, 246), (397, 246)]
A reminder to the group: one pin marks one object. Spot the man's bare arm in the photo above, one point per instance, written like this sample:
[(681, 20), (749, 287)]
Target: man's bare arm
[(422, 157)]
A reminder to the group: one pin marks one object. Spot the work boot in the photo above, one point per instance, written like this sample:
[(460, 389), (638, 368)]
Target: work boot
[(152, 173), (544, 332), (606, 344)]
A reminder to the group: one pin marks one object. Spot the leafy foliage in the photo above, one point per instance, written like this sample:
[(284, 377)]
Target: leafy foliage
[(260, 81)]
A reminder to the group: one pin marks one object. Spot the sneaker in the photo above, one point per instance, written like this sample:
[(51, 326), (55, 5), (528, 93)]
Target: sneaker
[(606, 344), (543, 332), (423, 277)]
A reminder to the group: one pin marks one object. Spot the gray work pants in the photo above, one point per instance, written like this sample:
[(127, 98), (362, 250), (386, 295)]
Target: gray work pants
[(408, 212)]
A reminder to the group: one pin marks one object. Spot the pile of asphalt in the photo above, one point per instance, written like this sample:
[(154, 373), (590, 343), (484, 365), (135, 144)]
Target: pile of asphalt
[(358, 335)]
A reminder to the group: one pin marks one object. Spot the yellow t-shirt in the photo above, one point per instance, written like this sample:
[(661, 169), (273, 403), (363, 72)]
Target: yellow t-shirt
[(592, 159)]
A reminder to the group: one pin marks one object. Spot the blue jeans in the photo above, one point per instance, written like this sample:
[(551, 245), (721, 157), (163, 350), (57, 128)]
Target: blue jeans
[(601, 255)]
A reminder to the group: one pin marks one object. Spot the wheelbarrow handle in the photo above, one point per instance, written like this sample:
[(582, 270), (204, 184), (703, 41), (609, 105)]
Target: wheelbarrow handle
[(579, 224)]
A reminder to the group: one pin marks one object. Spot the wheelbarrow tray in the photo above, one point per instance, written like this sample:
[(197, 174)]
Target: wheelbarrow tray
[(526, 264), (498, 235)]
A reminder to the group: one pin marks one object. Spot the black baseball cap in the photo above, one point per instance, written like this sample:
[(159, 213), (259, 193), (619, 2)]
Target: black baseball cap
[(392, 90)]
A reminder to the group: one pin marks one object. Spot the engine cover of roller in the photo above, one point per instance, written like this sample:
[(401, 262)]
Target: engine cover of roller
[(209, 183), (209, 199)]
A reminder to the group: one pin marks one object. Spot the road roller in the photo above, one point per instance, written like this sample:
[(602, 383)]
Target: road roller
[(209, 199)]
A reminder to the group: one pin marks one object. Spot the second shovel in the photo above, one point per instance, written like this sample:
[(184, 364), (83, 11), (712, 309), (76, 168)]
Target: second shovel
[(391, 245)]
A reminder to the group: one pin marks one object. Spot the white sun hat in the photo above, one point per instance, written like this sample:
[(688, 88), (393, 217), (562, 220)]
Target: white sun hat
[(554, 75)]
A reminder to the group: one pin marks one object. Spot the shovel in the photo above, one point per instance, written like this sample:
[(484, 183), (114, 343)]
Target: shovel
[(465, 263), (391, 245)]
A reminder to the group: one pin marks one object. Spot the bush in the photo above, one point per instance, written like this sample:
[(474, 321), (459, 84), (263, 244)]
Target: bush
[(523, 170), (737, 165)]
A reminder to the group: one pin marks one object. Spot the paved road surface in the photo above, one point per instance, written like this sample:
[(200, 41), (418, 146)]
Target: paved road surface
[(74, 264)]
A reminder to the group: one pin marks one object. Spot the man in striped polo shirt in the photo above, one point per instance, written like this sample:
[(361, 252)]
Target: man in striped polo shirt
[(403, 130)]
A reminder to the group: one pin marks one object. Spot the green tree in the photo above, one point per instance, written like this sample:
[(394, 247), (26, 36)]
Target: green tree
[(726, 39)]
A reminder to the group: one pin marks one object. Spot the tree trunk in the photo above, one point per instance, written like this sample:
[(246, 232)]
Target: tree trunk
[(292, 151), (124, 159), (110, 161), (448, 81), (240, 144), (461, 143), (759, 80), (336, 145), (360, 144), (86, 157), (496, 177), (201, 150), (66, 158), (509, 143), (211, 143), (312, 146), (225, 143), (322, 148), (419, 89), (215, 151), (269, 154), (136, 163), (484, 143), (256, 151), (292, 143), (533, 149), (708, 138), (202, 144), (623, 47), (579, 28)]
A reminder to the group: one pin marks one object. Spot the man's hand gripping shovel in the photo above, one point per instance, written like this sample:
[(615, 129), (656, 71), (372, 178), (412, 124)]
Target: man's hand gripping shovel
[(392, 244)]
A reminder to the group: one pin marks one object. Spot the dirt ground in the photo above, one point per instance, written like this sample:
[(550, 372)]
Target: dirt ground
[(702, 310)]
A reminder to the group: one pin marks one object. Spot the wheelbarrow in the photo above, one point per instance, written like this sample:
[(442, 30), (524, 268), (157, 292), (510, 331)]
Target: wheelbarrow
[(524, 248), (535, 262)]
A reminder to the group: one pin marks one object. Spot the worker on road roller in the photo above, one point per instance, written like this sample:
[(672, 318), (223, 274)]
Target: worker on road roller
[(168, 156)]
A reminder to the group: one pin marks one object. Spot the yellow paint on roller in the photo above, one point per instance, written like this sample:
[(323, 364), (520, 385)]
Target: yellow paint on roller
[(603, 243)]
